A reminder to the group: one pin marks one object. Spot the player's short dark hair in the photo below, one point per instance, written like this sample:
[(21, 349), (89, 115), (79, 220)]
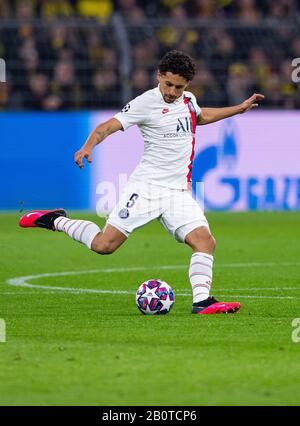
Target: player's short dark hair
[(179, 63)]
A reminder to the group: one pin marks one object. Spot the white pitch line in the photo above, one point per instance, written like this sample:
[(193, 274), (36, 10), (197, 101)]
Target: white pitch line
[(119, 292), (15, 293), (22, 281), (259, 297), (256, 289)]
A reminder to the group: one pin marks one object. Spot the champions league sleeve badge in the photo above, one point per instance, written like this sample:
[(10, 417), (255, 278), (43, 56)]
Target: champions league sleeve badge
[(126, 108)]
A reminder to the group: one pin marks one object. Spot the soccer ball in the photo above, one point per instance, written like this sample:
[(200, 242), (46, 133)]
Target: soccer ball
[(155, 297)]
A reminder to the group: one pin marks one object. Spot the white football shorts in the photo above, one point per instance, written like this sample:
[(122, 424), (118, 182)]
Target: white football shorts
[(140, 203)]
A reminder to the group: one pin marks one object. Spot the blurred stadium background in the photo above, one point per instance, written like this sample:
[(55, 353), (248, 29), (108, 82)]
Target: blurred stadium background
[(95, 54)]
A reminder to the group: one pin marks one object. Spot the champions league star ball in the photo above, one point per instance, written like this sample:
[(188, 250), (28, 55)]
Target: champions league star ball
[(155, 297)]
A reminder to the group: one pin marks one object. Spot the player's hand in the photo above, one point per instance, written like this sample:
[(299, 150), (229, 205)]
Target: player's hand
[(252, 102), (80, 155)]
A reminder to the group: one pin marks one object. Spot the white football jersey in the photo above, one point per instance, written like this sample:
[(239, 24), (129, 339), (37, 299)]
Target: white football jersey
[(168, 130)]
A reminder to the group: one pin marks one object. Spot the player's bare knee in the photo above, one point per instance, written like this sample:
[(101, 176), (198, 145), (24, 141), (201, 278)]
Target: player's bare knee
[(210, 242), (201, 240), (206, 244)]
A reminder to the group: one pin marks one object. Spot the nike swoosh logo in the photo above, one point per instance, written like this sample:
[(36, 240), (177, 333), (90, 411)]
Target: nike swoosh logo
[(29, 214)]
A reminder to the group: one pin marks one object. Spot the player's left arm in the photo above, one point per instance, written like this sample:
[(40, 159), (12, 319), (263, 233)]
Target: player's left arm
[(210, 115)]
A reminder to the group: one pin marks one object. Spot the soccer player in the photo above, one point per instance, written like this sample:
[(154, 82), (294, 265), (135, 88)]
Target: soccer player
[(160, 185)]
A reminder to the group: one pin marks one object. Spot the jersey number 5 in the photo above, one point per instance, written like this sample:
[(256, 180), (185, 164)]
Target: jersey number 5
[(132, 200)]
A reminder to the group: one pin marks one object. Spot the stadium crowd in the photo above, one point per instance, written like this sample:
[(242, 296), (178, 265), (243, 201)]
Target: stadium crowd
[(64, 54)]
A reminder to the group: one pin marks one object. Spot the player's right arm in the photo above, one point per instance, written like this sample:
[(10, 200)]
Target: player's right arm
[(97, 136)]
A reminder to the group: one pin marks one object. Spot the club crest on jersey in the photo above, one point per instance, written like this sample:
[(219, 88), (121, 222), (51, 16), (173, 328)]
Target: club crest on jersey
[(165, 110), (124, 213)]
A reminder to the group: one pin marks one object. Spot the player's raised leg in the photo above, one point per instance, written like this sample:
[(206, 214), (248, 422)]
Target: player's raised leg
[(83, 231), (109, 240), (203, 245)]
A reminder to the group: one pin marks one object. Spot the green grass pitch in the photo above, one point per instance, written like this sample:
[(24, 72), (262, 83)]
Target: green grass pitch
[(78, 348)]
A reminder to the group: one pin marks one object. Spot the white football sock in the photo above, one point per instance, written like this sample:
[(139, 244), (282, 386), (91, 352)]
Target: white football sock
[(80, 230), (200, 274)]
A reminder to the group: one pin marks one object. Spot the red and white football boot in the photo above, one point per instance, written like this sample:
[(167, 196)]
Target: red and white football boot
[(212, 306), (41, 218)]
